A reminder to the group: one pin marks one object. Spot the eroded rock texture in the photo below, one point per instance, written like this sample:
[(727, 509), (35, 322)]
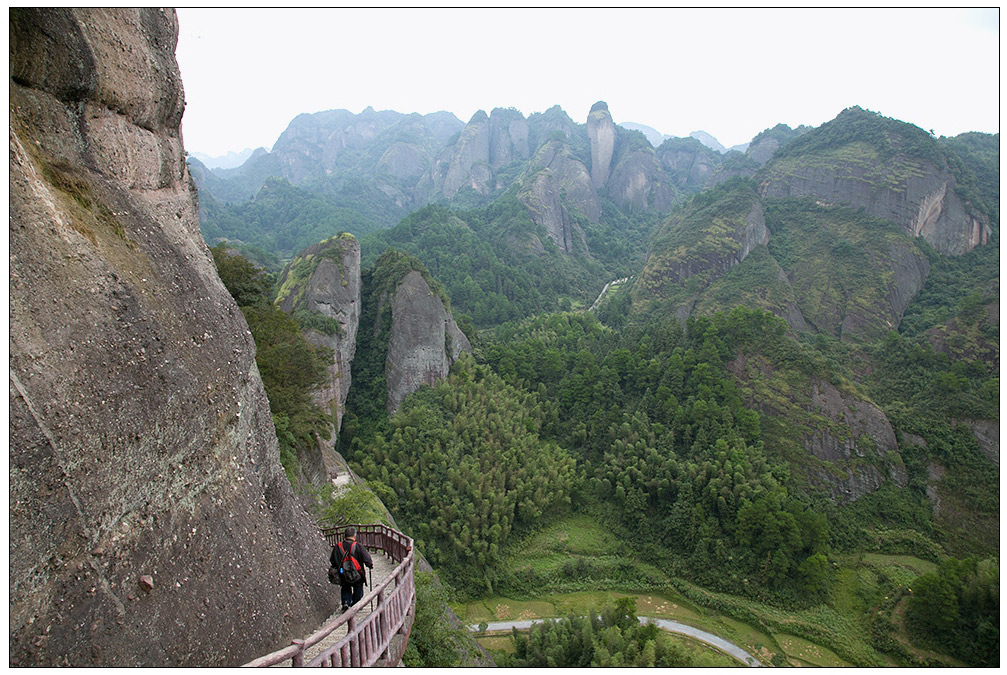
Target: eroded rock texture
[(150, 521), (424, 340)]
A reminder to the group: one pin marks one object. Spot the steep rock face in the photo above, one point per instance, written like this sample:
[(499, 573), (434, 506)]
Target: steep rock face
[(638, 183), (702, 242), (311, 145), (687, 162), (324, 279), (899, 175), (424, 340), (861, 442), (472, 151), (508, 138), (922, 203), (550, 125), (403, 160), (141, 442), (850, 444), (601, 132), (556, 186), (761, 151)]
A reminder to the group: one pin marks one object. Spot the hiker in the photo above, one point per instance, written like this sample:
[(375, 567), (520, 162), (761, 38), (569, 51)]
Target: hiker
[(349, 558)]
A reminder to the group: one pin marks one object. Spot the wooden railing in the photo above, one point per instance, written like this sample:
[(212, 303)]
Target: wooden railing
[(373, 638)]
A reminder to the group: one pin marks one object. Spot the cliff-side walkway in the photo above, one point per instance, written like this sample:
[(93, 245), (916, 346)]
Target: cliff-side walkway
[(375, 630)]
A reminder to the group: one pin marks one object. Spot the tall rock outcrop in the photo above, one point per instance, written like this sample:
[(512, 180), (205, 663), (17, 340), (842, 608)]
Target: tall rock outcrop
[(850, 445), (555, 187), (150, 521), (322, 287), (601, 132), (890, 169), (638, 181), (408, 336), (687, 162), (424, 339), (469, 157), (508, 138)]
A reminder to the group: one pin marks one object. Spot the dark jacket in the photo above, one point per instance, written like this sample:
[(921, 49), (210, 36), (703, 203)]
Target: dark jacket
[(359, 552)]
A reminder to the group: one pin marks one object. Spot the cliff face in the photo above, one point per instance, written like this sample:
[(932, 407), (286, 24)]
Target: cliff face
[(508, 137), (555, 186), (701, 243), (424, 339), (638, 182), (687, 162), (897, 175), (324, 280), (150, 520), (849, 444)]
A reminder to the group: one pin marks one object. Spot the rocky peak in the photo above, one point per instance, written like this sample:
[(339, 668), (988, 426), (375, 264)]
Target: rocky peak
[(508, 137), (688, 163), (705, 239), (423, 339), (638, 181), (555, 187), (601, 132), (467, 162), (147, 497)]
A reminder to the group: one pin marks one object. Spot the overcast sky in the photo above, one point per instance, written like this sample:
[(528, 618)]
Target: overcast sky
[(732, 73)]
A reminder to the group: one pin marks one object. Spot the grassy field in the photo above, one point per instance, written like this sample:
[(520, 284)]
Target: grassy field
[(835, 634)]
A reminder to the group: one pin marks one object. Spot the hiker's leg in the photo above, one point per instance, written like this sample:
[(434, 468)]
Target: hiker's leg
[(347, 595), (358, 592)]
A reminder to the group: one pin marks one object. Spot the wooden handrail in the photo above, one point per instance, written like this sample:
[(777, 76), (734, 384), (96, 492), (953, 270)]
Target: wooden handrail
[(368, 641)]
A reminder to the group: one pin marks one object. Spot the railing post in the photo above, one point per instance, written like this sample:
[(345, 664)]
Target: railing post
[(385, 638), (351, 630), (297, 661)]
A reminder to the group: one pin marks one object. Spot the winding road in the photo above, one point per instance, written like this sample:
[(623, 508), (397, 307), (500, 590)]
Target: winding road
[(665, 624)]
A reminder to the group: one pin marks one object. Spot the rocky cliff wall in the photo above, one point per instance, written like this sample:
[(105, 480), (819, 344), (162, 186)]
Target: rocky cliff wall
[(555, 186), (508, 137), (150, 521), (424, 340), (471, 151), (638, 182), (916, 195)]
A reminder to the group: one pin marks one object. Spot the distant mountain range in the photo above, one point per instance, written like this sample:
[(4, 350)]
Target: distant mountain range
[(228, 161)]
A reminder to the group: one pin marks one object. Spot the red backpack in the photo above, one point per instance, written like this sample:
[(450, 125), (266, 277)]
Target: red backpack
[(351, 574)]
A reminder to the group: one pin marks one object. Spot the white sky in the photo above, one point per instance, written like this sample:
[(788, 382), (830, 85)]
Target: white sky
[(730, 72)]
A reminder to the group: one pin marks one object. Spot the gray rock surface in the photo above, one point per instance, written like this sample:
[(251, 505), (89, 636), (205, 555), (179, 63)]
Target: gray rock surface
[(555, 186), (141, 442), (860, 442), (688, 163), (424, 340), (508, 138), (601, 132), (916, 195), (471, 150), (638, 183)]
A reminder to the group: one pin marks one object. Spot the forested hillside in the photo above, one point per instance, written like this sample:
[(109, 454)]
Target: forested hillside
[(794, 390)]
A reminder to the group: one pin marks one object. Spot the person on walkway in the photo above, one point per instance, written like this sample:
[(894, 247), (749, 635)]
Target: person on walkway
[(346, 555)]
